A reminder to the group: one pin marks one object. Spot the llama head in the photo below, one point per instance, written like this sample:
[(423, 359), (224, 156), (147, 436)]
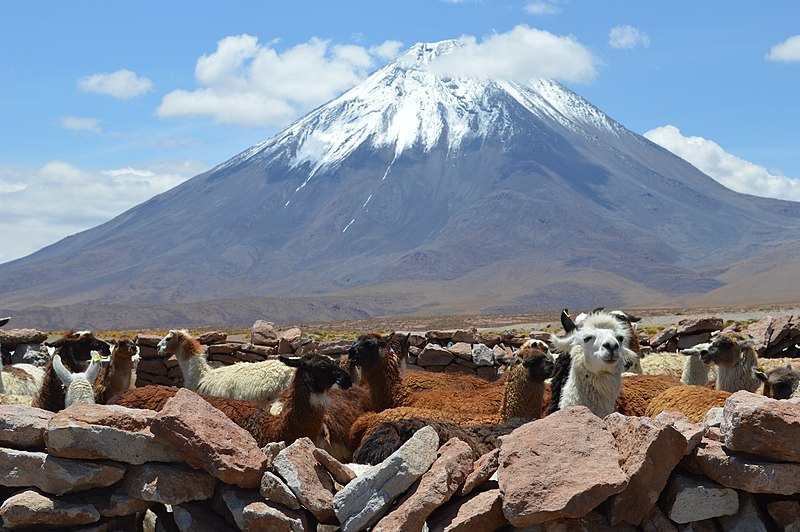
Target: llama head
[(179, 343), (780, 383), (125, 347), (76, 348), (700, 351), (726, 350), (538, 361), (318, 373), (78, 386), (366, 351)]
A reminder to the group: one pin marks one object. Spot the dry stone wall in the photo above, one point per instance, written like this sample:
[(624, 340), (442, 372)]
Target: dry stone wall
[(119, 469)]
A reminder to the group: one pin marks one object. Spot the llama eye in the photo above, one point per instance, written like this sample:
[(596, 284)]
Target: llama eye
[(588, 338), (620, 338)]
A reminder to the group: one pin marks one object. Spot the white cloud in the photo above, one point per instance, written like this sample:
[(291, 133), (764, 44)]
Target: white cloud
[(520, 54), (730, 170), (788, 50), (122, 84), (72, 199), (627, 37), (542, 7), (80, 123), (254, 85)]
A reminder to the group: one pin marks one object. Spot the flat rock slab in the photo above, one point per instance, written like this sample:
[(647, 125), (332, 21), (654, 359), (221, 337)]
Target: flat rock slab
[(31, 509), (168, 483), (560, 466), (364, 500), (55, 475), (309, 481), (751, 421), (207, 439), (109, 432), (23, 427), (690, 499), (476, 512)]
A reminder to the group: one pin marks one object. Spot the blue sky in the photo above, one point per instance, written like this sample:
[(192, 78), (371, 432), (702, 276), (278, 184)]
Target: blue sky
[(105, 104)]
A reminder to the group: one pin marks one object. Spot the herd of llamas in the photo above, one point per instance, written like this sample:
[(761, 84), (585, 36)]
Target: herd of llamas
[(379, 404)]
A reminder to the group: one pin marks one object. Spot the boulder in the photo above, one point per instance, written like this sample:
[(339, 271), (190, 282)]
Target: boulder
[(212, 337), (340, 472), (264, 333), (648, 452), (691, 432), (274, 489), (484, 468), (751, 421), (691, 498), (209, 440), (23, 427), (434, 355), (744, 472), (462, 350), (30, 354), (308, 480), (560, 466), (11, 338), (698, 325), (55, 475), (264, 515), (31, 509), (168, 483), (435, 488), (363, 501), (109, 432), (479, 511), (482, 355)]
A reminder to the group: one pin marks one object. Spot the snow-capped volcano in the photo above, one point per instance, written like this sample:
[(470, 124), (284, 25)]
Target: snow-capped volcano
[(416, 192), (406, 104)]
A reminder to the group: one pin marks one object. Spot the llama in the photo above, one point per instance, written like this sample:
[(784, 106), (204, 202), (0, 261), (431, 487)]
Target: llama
[(692, 401), (259, 382), (19, 379), (78, 385), (638, 390), (297, 412), (695, 371), (734, 355), (380, 373), (74, 350), (522, 401), (591, 373), (116, 376), (631, 350), (780, 383)]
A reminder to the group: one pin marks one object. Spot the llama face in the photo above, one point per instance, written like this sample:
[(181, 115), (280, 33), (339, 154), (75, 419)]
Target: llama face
[(171, 343), (781, 383), (319, 372), (76, 349), (366, 351), (601, 348), (539, 364), (700, 350), (725, 351)]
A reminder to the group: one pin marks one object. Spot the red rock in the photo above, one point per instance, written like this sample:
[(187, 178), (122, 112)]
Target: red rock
[(29, 509), (434, 355), (340, 472), (477, 512), (168, 484), (263, 333), (308, 480), (751, 421), (484, 468), (648, 452), (434, 489), (550, 469), (23, 427), (698, 325), (209, 440)]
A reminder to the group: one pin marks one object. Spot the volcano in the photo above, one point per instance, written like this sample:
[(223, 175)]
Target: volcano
[(414, 193)]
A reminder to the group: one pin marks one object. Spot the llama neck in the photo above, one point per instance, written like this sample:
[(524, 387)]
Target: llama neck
[(193, 366), (79, 391), (695, 371), (596, 391), (301, 413), (522, 398), (738, 377), (386, 387)]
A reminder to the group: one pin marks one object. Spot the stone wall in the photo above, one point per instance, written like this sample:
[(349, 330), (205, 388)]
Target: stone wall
[(96, 467)]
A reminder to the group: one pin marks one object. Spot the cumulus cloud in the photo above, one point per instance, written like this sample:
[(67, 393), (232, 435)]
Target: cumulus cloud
[(542, 7), (76, 199), (251, 84), (122, 84), (520, 54), (786, 51), (730, 170), (627, 37), (80, 123)]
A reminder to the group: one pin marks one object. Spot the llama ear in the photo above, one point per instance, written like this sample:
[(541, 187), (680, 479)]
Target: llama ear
[(63, 373), (94, 369), (3, 321), (290, 361), (566, 321)]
